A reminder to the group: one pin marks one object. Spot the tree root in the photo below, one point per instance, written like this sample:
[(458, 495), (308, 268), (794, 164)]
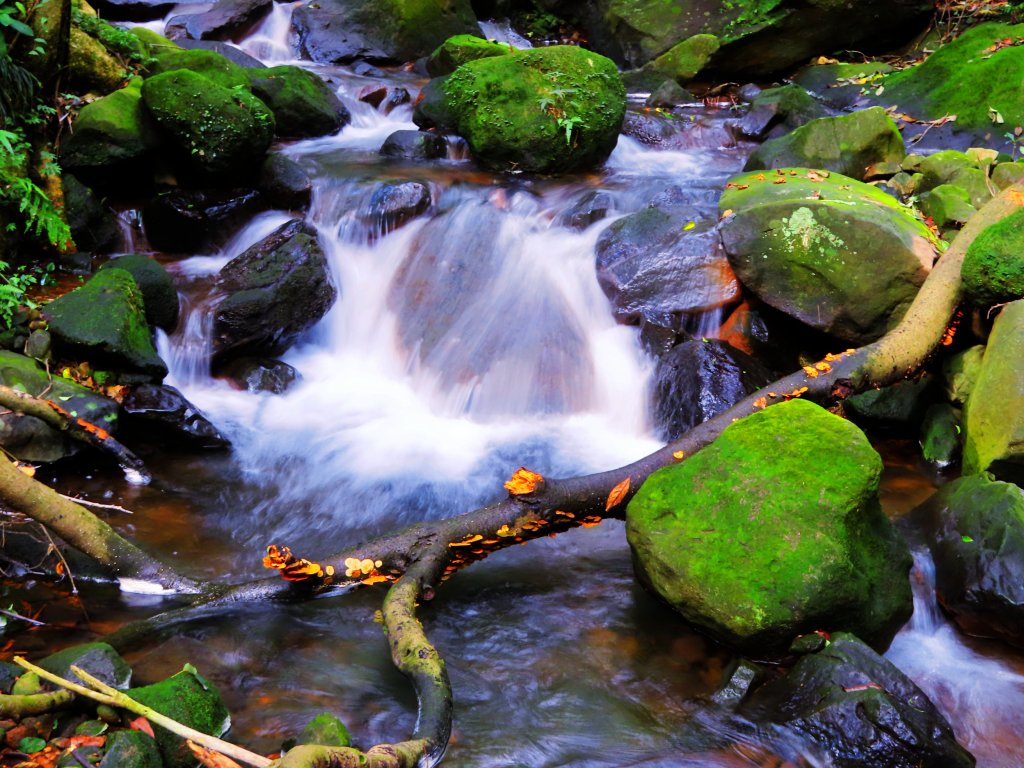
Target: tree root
[(32, 704)]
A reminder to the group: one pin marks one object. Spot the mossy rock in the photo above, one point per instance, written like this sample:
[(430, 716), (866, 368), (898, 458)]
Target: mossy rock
[(847, 144), (773, 531), (90, 66), (113, 131), (432, 108), (209, 64), (940, 435), (780, 109), (25, 374), (993, 268), (840, 84), (1007, 174), (839, 255), (190, 699), (304, 105), (960, 373), (994, 416), (105, 321), (222, 132), (544, 110), (131, 749), (158, 291), (967, 78), (457, 50), (153, 43), (947, 204), (98, 659), (958, 168), (684, 60), (327, 730)]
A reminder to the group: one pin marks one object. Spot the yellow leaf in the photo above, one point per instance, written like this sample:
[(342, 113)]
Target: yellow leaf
[(727, 212), (617, 494), (523, 481), (678, 455), (689, 225)]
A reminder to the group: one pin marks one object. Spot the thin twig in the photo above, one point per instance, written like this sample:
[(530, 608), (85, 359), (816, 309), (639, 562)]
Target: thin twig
[(87, 503), (19, 617)]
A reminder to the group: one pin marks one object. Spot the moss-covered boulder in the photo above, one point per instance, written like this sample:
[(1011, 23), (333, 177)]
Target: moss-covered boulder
[(27, 437), (303, 104), (112, 133), (957, 168), (456, 51), (544, 110), (209, 64), (341, 31), (975, 531), (104, 321), (947, 205), (158, 291), (994, 416), (967, 77), (192, 700), (220, 132), (776, 111), (847, 144), (684, 60), (90, 65), (98, 659), (772, 531), (131, 749), (836, 254), (993, 268), (960, 373)]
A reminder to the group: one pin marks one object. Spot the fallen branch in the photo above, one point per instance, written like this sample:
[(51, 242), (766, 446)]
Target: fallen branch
[(32, 704)]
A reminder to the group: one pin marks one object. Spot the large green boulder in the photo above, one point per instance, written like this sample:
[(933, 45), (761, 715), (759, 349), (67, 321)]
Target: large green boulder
[(113, 131), (158, 291), (957, 168), (192, 700), (98, 659), (838, 255), (221, 132), (341, 31), (684, 60), (994, 416), (975, 529), (971, 77), (104, 321), (303, 104), (457, 50), (90, 66), (993, 268), (209, 64), (543, 110), (847, 144), (773, 531)]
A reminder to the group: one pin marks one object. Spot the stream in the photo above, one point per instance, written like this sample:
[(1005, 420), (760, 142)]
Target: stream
[(408, 410)]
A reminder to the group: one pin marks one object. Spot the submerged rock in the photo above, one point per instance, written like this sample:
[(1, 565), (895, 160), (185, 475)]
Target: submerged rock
[(836, 254), (976, 535), (393, 205), (774, 531), (414, 145), (259, 374), (274, 291), (164, 414)]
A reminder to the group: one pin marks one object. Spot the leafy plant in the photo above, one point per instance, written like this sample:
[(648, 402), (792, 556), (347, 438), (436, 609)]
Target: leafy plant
[(17, 84), (1016, 140), (13, 285), (40, 216)]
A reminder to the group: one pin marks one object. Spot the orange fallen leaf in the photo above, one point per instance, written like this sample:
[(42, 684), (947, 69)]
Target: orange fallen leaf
[(210, 759), (618, 493), (761, 402), (523, 481), (678, 455), (86, 741), (142, 724)]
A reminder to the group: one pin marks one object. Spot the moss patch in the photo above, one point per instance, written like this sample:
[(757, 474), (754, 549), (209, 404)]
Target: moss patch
[(993, 268), (303, 104), (460, 49), (684, 60)]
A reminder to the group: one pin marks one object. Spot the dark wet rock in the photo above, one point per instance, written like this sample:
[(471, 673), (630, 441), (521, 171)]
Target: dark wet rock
[(162, 413), (993, 268), (98, 659), (841, 85), (131, 749), (431, 108), (134, 10), (93, 224), (860, 708), (284, 183), (960, 373), (698, 379), (184, 220), (940, 435), (393, 205), (994, 420), (457, 50), (38, 345), (975, 531), (303, 104), (666, 131), (593, 206), (654, 266), (219, 132), (384, 98), (779, 110), (158, 291), (900, 405), (668, 95), (274, 291), (836, 254), (414, 145), (230, 52), (847, 144), (192, 700), (259, 374), (223, 20), (762, 536), (341, 31), (104, 321), (497, 105)]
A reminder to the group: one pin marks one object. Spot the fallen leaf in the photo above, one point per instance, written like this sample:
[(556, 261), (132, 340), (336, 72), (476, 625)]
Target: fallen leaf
[(86, 741), (761, 402), (523, 481), (689, 225), (678, 455), (142, 724), (209, 758), (618, 493)]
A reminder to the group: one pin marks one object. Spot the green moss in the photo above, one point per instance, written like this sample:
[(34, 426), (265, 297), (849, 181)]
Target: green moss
[(993, 268), (751, 16), (544, 110), (326, 730), (209, 64), (302, 103), (116, 128), (456, 51), (91, 66), (772, 531), (966, 78), (114, 39), (684, 60)]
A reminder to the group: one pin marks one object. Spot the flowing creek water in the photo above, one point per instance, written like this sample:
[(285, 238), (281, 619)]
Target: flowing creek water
[(411, 410)]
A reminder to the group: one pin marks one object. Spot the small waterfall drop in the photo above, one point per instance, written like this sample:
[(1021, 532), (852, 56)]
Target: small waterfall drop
[(270, 42)]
